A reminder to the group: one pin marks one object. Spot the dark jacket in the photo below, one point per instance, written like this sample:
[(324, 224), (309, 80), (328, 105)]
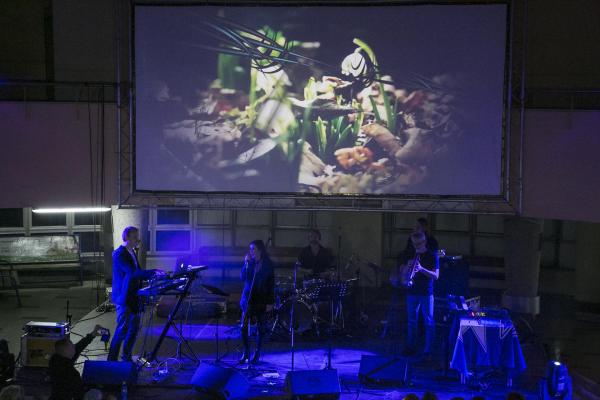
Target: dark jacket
[(316, 263), (263, 291), (66, 381), (127, 278)]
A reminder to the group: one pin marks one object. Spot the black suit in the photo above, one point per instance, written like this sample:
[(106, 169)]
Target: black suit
[(66, 381), (127, 280)]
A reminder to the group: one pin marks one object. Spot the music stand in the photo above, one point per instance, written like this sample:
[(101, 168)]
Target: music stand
[(331, 292)]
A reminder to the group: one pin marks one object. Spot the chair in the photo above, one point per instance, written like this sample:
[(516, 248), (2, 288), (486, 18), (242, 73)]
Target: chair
[(8, 273)]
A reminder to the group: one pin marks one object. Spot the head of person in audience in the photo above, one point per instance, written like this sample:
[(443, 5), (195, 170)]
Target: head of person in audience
[(411, 396), (515, 396), (429, 396), (478, 398), (12, 392), (65, 348), (314, 237), (93, 394)]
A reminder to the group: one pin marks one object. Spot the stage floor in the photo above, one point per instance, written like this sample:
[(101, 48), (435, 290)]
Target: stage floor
[(267, 378)]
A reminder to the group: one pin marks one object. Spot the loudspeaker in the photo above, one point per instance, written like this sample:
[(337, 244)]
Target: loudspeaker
[(454, 278), (108, 373), (313, 384), (36, 351), (220, 382), (380, 370)]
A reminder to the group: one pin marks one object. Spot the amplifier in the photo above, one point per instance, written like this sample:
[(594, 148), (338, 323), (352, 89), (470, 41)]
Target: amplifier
[(36, 351), (47, 329)]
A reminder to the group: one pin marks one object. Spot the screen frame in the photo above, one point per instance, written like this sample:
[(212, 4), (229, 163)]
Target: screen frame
[(508, 201)]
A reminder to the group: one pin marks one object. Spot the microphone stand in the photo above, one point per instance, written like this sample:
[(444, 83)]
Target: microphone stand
[(294, 295)]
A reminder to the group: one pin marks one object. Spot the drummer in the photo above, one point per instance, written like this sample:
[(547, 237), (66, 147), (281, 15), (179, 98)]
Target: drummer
[(315, 260)]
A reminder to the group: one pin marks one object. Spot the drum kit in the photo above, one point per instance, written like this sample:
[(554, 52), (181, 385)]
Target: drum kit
[(318, 302)]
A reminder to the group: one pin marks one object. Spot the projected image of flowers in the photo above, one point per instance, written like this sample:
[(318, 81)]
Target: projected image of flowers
[(298, 114)]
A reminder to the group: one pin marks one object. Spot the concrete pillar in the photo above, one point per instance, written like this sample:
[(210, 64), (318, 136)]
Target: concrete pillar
[(587, 262), (361, 234), (124, 217), (107, 245), (522, 252)]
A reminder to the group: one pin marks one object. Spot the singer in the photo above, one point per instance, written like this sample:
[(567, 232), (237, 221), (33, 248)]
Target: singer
[(258, 296), (127, 280)]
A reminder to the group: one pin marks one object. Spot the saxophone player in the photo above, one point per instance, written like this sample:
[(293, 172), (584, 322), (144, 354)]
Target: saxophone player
[(424, 267)]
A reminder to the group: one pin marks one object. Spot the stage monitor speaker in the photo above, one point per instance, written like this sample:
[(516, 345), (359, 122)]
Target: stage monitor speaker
[(220, 382), (386, 371), (313, 384), (109, 373)]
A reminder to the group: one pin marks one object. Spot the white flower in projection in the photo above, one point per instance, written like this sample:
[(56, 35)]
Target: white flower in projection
[(267, 81), (275, 117), (354, 64)]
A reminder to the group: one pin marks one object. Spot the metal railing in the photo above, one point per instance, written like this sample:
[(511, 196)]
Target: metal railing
[(564, 99), (57, 91), (38, 90)]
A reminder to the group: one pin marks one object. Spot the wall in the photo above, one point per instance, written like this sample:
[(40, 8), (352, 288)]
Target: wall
[(45, 154), (80, 37), (561, 165)]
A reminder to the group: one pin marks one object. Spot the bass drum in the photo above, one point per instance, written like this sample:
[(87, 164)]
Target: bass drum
[(303, 316)]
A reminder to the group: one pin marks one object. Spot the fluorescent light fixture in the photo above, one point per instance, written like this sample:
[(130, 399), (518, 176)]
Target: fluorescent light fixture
[(70, 209)]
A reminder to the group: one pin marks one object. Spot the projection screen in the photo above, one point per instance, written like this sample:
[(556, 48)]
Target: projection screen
[(379, 100)]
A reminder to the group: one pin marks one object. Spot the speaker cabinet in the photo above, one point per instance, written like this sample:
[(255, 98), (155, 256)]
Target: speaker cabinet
[(109, 373), (36, 351), (219, 382), (385, 371), (313, 384)]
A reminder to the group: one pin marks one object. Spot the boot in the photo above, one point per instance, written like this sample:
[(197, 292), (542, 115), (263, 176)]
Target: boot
[(246, 354), (256, 357), (259, 339)]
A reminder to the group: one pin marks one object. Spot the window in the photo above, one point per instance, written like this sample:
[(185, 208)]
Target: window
[(172, 240), (48, 219), (172, 217), (87, 218), (89, 242), (11, 217)]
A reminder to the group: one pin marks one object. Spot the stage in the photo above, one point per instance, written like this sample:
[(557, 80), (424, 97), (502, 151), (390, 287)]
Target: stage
[(267, 378)]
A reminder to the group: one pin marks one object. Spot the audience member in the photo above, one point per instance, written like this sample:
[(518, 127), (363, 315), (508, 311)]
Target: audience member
[(429, 396), (12, 392), (7, 364), (66, 381), (411, 396), (515, 396)]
